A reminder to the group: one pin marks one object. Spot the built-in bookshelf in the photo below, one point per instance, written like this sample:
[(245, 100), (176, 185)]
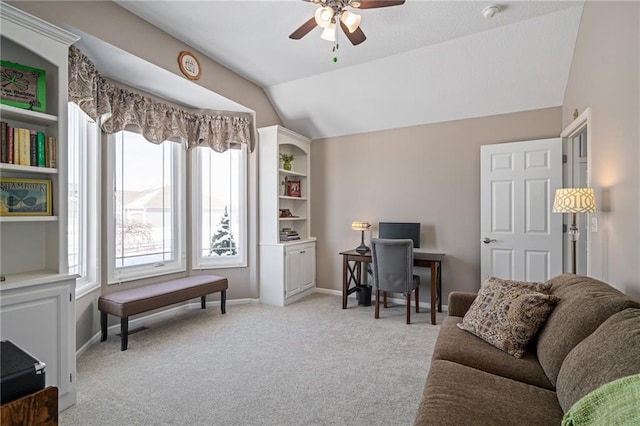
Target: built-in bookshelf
[(37, 294), (287, 249)]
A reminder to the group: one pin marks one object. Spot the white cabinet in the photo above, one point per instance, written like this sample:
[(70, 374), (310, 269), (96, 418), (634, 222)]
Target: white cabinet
[(37, 304), (300, 267), (40, 318), (287, 250)]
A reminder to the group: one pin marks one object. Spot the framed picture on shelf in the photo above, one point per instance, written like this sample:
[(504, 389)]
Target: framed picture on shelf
[(23, 86), (293, 188), (25, 197)]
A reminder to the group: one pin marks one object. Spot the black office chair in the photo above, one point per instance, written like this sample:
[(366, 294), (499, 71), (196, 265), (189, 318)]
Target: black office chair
[(392, 264)]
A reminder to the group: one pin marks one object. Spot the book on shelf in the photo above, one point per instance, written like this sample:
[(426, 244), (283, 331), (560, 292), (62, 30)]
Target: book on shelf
[(50, 157), (4, 142), (24, 149), (10, 148), (41, 150), (33, 148), (288, 234)]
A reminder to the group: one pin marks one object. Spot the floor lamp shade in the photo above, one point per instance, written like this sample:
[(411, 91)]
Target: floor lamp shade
[(574, 200)]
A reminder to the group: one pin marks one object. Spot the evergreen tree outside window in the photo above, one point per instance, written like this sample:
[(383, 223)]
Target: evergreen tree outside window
[(222, 242)]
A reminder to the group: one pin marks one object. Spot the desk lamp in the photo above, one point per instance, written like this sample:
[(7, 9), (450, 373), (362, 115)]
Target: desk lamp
[(361, 226), (574, 200)]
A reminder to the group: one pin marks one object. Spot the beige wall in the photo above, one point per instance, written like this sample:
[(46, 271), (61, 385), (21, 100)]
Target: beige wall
[(428, 174), (605, 77), (117, 26)]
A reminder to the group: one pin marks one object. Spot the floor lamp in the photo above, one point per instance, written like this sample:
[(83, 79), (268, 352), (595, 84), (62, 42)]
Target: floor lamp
[(574, 201)]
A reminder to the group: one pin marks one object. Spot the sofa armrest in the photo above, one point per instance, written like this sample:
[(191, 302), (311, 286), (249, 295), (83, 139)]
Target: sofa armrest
[(459, 302)]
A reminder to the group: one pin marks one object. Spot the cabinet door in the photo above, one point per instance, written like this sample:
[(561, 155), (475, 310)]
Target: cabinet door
[(292, 276), (39, 320), (308, 266)]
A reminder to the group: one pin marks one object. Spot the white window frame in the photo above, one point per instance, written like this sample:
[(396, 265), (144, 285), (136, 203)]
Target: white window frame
[(218, 262), (89, 199), (130, 273)]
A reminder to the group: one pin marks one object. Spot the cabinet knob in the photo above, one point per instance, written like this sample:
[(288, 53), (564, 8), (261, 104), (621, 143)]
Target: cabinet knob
[(302, 251)]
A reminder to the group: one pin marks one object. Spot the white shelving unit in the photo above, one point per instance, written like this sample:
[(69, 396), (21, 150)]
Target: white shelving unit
[(287, 268), (37, 295)]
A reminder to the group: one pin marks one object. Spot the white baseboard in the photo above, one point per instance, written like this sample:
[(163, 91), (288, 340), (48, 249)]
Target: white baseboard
[(393, 300), (161, 315)]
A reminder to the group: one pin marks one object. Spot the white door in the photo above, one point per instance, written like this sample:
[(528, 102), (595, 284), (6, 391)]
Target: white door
[(521, 239)]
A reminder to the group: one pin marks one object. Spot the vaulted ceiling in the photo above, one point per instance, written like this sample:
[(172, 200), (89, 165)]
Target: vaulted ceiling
[(422, 62)]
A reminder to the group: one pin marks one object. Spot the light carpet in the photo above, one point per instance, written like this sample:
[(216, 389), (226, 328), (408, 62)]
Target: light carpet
[(310, 363)]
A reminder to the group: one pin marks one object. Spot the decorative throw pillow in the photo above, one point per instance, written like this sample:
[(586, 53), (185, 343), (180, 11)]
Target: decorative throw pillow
[(507, 314)]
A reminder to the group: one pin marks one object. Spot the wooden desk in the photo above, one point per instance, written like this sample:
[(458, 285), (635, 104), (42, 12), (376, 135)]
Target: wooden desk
[(353, 275)]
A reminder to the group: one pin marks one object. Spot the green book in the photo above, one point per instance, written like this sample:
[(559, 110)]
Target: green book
[(41, 150)]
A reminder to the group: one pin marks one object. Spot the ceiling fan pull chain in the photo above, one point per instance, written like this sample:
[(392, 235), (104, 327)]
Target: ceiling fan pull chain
[(336, 46)]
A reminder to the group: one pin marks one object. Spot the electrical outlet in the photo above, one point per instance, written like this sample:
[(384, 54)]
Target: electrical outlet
[(594, 223)]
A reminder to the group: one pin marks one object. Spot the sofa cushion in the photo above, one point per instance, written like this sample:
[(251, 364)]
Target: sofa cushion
[(507, 314), (584, 304), (459, 395), (611, 352), (457, 345)]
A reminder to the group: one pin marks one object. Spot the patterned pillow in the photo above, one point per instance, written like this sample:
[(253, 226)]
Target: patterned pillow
[(507, 314)]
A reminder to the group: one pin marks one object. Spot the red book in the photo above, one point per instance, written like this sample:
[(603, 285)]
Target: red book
[(11, 147)]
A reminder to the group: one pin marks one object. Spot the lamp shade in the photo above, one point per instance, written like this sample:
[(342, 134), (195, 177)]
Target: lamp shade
[(350, 20), (329, 33), (323, 16), (360, 226), (574, 200)]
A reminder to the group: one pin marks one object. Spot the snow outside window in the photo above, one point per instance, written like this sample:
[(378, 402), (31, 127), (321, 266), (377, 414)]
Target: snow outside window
[(219, 216)]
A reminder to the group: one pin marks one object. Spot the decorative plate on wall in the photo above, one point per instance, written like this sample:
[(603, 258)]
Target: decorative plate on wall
[(189, 65)]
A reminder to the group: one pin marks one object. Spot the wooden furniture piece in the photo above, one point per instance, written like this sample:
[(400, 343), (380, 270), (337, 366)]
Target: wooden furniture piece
[(133, 301), (287, 251), (38, 408), (37, 296), (352, 275)]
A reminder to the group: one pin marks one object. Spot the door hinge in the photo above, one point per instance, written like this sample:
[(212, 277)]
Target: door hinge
[(564, 159), (564, 228), (70, 297), (70, 377)]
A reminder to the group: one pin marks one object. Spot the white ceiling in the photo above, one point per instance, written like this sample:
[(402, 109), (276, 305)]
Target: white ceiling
[(422, 62)]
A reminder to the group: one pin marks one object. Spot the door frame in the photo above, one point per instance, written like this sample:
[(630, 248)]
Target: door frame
[(573, 129)]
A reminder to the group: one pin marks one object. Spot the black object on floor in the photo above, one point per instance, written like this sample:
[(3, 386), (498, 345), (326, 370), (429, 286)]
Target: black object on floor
[(21, 374), (364, 295)]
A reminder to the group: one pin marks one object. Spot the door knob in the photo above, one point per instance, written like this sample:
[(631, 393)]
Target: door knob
[(488, 240)]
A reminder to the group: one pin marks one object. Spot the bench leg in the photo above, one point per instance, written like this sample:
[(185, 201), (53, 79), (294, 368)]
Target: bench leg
[(124, 333), (103, 326), (203, 302), (223, 301)]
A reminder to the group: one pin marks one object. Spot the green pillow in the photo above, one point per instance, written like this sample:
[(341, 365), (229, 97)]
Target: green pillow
[(615, 403)]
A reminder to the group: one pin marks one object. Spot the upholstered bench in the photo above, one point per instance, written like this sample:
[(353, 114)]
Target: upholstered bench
[(133, 301)]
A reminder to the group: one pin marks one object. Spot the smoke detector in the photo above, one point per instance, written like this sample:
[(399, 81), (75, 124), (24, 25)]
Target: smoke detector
[(489, 11)]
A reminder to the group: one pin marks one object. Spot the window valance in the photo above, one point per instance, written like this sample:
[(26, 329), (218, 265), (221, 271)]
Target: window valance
[(119, 107)]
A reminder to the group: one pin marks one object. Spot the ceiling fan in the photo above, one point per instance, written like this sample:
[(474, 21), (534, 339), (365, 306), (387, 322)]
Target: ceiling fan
[(330, 12)]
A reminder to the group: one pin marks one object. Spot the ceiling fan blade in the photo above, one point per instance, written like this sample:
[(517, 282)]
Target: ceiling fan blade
[(372, 4), (304, 29), (355, 37)]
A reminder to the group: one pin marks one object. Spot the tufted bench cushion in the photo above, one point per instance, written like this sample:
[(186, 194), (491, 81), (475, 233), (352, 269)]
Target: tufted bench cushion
[(133, 301)]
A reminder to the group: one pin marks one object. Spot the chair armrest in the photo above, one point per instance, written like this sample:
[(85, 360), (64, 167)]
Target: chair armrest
[(459, 302)]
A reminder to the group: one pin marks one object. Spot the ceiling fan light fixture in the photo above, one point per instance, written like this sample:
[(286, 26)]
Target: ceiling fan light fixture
[(351, 20), (323, 16), (329, 33)]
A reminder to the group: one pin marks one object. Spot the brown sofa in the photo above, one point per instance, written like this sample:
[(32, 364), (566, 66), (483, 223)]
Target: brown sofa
[(592, 337)]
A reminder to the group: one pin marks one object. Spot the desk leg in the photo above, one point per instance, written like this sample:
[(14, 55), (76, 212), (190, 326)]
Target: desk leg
[(439, 287), (433, 292), (345, 284)]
